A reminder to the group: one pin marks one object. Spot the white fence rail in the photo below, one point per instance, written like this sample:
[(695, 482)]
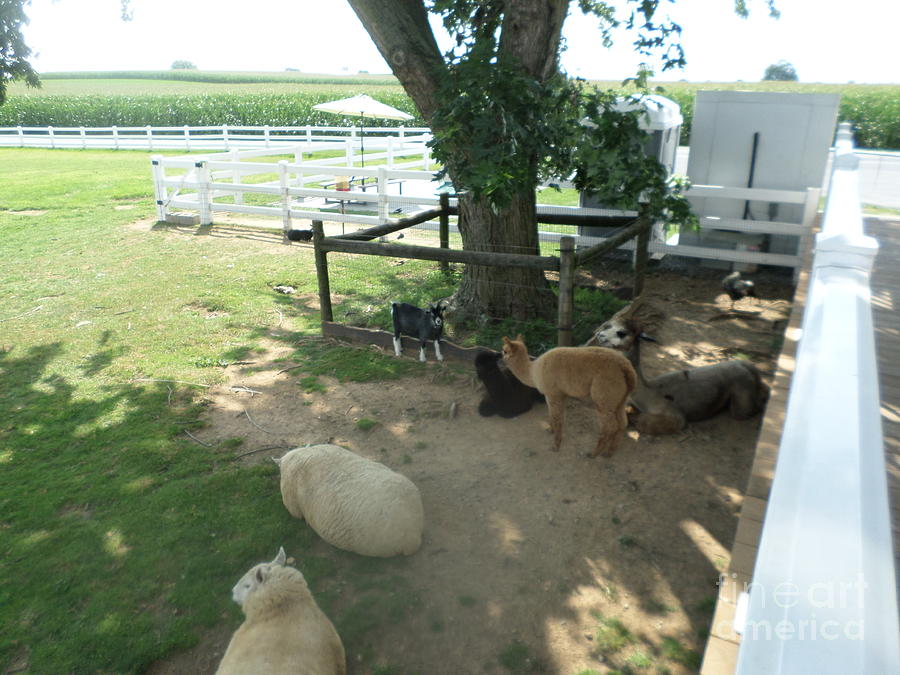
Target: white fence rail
[(823, 595), (222, 182), (189, 139), (306, 189)]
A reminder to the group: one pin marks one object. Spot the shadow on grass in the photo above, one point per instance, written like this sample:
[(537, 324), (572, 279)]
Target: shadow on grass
[(121, 538)]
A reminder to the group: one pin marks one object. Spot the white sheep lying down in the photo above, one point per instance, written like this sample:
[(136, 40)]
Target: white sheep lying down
[(284, 630), (352, 502)]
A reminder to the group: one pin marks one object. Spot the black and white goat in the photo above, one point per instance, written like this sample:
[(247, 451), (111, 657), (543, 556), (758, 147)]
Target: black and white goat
[(424, 324)]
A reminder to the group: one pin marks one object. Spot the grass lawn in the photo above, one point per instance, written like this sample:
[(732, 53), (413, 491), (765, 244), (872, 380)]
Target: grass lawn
[(120, 537)]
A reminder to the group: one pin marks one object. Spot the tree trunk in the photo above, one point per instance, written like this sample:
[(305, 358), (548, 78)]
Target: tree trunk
[(502, 292), (532, 28)]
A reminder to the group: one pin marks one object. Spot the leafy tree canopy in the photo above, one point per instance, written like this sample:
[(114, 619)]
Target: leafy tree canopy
[(781, 72), (497, 121), (183, 65), (14, 52)]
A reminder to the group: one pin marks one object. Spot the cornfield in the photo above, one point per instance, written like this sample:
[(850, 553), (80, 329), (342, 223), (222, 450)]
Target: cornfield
[(232, 98)]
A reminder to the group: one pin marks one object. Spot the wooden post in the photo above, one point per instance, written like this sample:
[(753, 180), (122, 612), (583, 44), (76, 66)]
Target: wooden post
[(322, 272), (285, 197), (159, 175), (444, 233), (204, 193), (566, 290), (641, 254), (234, 157)]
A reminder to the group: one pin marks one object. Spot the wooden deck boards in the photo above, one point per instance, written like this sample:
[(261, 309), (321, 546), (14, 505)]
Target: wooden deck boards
[(720, 657)]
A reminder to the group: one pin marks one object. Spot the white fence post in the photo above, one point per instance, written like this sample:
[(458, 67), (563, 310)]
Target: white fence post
[(150, 136), (823, 595), (298, 159), (159, 188), (266, 135), (235, 157), (204, 193), (285, 196), (348, 151), (382, 194), (810, 209), (187, 137), (115, 133), (390, 152), (426, 157), (52, 137), (21, 136), (225, 136)]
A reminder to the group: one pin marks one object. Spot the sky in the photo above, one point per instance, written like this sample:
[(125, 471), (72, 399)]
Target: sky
[(825, 40)]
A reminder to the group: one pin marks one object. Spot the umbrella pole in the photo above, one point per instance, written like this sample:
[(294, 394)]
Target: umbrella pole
[(362, 148)]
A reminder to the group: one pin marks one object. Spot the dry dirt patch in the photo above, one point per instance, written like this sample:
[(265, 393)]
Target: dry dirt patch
[(525, 548)]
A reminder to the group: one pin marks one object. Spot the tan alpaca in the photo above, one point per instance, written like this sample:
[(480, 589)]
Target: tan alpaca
[(602, 374)]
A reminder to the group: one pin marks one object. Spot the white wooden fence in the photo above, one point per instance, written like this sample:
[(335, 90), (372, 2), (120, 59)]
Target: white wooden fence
[(303, 189), (189, 139), (218, 183), (823, 595)]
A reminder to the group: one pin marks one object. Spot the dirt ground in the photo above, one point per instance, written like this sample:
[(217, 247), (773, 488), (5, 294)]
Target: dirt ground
[(524, 546)]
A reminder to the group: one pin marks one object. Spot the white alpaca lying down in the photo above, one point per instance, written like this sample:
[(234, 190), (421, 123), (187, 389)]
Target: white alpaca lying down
[(352, 502), (284, 630)]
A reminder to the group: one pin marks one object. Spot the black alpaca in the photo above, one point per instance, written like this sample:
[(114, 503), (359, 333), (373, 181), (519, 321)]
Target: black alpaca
[(506, 396)]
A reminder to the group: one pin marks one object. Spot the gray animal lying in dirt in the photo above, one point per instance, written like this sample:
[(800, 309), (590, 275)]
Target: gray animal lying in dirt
[(666, 403)]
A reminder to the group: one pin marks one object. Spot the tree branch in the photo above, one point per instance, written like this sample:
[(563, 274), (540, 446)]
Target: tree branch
[(401, 32)]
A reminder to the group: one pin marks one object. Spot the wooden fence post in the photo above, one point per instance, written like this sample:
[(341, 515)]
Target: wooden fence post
[(566, 290), (322, 271), (382, 194), (235, 157), (159, 175), (285, 196), (444, 233), (204, 193), (641, 254)]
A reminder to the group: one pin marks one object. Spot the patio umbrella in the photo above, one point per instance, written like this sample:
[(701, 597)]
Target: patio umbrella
[(362, 106)]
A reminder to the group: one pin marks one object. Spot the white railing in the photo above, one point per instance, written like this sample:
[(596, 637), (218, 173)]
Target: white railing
[(301, 189), (823, 595), (202, 182), (187, 138)]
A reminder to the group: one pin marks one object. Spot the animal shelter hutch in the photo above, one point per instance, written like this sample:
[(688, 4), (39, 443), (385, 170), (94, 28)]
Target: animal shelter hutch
[(662, 121), (762, 141)]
